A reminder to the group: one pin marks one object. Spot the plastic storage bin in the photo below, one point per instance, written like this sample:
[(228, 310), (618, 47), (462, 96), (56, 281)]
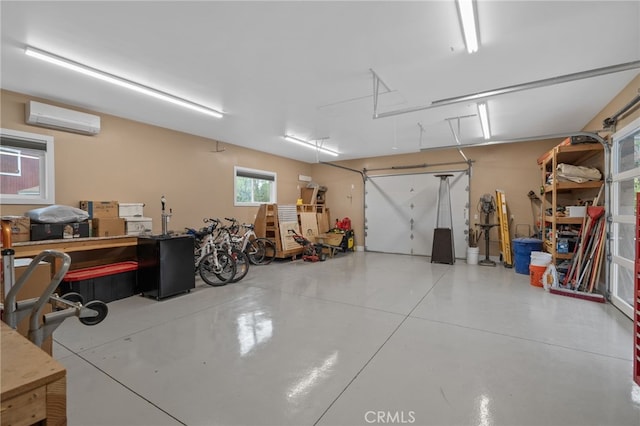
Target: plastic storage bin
[(522, 247), (106, 283)]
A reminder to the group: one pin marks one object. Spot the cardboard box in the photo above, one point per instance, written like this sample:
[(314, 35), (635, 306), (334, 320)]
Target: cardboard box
[(100, 209), (108, 227), (20, 228), (131, 209), (46, 231)]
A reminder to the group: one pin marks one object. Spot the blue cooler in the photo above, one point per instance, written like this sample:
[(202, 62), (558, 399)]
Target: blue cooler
[(522, 248)]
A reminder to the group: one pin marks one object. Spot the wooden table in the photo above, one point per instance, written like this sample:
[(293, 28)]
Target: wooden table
[(33, 385)]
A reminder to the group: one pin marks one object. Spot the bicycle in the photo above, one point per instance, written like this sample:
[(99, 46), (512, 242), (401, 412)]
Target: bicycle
[(224, 238), (209, 259), (261, 251)]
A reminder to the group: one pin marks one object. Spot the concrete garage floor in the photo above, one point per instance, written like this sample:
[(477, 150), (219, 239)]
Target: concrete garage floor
[(364, 338)]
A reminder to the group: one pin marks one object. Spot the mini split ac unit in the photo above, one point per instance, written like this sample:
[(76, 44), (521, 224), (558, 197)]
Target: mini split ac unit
[(54, 117)]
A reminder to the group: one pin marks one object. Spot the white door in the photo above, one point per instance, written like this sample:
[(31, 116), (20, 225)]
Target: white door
[(625, 161), (401, 212)]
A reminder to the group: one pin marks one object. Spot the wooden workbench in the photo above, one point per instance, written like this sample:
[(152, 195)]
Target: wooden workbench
[(84, 252), (33, 385), (33, 248)]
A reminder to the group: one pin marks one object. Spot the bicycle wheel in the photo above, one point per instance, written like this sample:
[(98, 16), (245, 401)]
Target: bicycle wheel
[(220, 274), (242, 264), (255, 252), (267, 248)]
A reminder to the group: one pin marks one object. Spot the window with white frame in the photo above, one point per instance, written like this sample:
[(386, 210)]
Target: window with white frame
[(26, 168), (254, 187)]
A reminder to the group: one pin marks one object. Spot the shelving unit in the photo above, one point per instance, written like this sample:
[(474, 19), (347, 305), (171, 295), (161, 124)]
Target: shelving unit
[(586, 154), (267, 225)]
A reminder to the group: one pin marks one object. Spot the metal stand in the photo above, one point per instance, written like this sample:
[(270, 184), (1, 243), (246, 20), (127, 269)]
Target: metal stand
[(485, 228), (443, 250), (487, 207)]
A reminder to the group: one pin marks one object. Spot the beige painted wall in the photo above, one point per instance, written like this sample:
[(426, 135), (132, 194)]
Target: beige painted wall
[(135, 162)]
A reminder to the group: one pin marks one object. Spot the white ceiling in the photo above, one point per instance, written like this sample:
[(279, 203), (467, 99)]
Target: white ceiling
[(303, 68)]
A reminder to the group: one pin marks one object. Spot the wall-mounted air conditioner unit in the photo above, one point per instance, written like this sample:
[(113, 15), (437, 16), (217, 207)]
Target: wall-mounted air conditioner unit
[(54, 117)]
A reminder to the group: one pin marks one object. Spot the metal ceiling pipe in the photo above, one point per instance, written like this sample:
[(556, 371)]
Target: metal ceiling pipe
[(611, 121), (513, 140), (516, 88)]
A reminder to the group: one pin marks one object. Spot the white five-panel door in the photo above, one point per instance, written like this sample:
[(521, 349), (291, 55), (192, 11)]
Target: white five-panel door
[(401, 212)]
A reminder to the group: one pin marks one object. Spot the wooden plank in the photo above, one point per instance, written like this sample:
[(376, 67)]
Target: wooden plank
[(289, 253), (308, 225), (33, 248), (288, 243), (309, 195), (260, 223)]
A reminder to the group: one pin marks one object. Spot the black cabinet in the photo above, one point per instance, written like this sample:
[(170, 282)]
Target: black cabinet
[(165, 265)]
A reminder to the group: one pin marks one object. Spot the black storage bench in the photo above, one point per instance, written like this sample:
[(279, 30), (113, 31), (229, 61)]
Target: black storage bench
[(106, 283)]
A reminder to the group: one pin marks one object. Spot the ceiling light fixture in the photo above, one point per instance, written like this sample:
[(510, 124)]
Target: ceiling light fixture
[(467, 16), (484, 120), (119, 81), (309, 145)]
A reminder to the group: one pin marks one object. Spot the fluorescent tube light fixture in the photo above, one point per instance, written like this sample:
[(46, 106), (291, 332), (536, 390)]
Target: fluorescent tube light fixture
[(468, 20), (309, 145), (484, 120), (118, 81)]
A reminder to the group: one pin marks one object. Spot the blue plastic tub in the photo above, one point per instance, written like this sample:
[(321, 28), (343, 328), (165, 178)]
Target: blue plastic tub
[(522, 248)]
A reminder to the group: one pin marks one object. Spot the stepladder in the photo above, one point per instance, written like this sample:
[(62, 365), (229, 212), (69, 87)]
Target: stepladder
[(503, 229)]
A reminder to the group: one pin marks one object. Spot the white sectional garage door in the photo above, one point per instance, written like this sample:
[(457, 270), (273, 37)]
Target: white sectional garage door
[(401, 212)]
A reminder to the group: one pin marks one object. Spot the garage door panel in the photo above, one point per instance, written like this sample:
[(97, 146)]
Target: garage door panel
[(393, 201)]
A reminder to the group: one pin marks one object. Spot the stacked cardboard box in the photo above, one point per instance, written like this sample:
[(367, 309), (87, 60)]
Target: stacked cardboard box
[(104, 218)]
